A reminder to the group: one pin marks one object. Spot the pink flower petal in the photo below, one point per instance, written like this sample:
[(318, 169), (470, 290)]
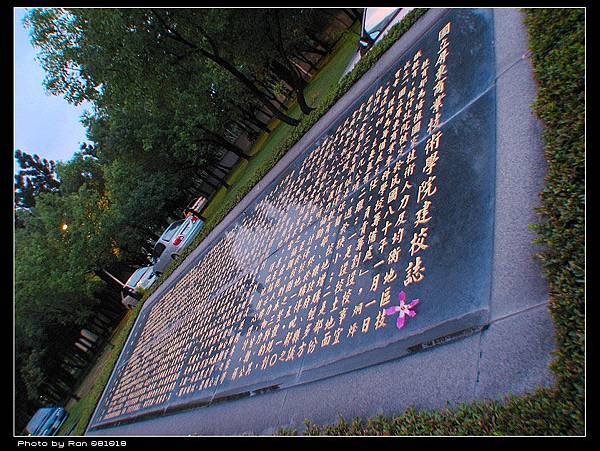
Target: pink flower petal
[(392, 310), (400, 321), (402, 297), (411, 313), (413, 303)]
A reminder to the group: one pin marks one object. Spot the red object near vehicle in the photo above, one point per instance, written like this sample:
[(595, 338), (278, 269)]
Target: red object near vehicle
[(195, 207)]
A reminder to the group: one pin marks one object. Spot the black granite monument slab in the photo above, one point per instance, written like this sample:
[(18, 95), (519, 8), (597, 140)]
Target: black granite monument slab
[(375, 242)]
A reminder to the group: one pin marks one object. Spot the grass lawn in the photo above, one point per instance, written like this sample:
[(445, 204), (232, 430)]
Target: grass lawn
[(91, 389)]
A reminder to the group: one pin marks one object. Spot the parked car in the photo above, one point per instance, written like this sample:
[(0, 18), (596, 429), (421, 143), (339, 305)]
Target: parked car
[(46, 421), (173, 240), (142, 277), (376, 23), (375, 20)]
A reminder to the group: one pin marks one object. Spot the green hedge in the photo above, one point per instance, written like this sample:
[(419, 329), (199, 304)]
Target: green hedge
[(557, 45)]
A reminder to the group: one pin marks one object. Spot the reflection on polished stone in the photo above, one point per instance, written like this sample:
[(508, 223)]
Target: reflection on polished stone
[(393, 203)]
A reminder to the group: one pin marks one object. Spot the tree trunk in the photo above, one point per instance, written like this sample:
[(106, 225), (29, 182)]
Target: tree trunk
[(76, 356), (250, 116), (335, 17), (101, 320), (297, 83), (51, 392), (109, 310), (307, 48), (73, 365), (267, 86), (351, 14), (223, 168), (300, 57), (302, 102), (67, 391), (212, 185), (231, 69), (253, 120), (222, 142), (109, 280), (221, 180), (324, 45)]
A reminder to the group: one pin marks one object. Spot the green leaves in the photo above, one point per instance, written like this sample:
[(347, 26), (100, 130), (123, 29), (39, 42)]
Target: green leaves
[(558, 52)]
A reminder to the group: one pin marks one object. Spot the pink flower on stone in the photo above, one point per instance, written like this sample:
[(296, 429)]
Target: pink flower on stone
[(403, 309)]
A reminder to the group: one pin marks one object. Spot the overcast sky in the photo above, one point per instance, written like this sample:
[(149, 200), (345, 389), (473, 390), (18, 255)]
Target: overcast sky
[(44, 124)]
